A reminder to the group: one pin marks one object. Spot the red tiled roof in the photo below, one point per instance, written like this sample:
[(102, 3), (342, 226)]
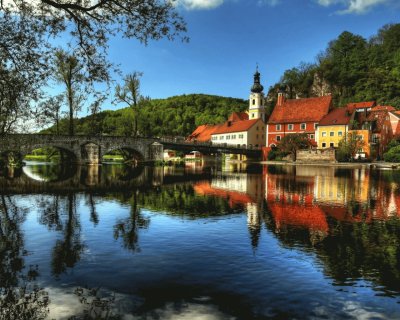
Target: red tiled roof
[(236, 126), (238, 116), (310, 217), (387, 108), (301, 110), (235, 197), (360, 105), (336, 116), (203, 133)]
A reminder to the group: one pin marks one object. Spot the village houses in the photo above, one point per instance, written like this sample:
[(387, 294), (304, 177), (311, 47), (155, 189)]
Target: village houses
[(324, 125)]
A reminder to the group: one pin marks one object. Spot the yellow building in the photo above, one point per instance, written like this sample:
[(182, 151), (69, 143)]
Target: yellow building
[(333, 127)]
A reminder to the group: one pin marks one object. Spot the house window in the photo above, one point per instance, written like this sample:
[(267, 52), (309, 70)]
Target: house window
[(332, 134), (228, 137), (324, 133), (323, 145), (257, 128), (360, 137), (234, 136), (303, 126), (340, 133), (221, 137), (278, 127), (311, 136), (240, 136), (331, 144), (256, 136), (290, 127), (278, 138)]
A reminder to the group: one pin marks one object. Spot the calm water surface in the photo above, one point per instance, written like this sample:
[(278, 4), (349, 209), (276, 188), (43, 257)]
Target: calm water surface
[(233, 242)]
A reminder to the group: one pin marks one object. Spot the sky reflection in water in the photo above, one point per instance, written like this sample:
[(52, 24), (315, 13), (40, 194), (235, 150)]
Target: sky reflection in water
[(202, 243)]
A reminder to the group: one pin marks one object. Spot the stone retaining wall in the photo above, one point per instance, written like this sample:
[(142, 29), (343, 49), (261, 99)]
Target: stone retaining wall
[(324, 155)]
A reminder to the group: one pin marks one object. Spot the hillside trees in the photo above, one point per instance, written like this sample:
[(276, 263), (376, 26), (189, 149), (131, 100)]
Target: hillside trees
[(352, 69)]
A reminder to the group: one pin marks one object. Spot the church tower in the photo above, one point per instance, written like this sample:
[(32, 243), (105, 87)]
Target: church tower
[(256, 101)]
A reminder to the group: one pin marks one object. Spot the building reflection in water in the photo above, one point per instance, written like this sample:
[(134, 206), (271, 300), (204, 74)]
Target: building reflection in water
[(306, 196), (241, 189)]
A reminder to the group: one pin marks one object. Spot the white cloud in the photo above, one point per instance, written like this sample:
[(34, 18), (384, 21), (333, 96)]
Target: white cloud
[(354, 6), (200, 4), (271, 3), (362, 6)]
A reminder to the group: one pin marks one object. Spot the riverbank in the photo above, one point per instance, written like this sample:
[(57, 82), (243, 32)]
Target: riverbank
[(376, 165)]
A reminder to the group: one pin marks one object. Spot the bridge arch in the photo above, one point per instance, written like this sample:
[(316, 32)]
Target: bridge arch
[(129, 154), (67, 154)]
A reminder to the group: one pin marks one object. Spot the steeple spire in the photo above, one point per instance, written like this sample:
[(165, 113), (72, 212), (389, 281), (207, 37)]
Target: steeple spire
[(257, 87)]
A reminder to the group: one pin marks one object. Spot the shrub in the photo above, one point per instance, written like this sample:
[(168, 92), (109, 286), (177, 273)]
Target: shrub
[(393, 155)]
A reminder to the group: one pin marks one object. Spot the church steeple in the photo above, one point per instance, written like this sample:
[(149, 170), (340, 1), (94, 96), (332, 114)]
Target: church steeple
[(257, 87), (256, 101)]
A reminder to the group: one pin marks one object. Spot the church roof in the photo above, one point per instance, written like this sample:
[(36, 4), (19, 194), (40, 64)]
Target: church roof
[(301, 110)]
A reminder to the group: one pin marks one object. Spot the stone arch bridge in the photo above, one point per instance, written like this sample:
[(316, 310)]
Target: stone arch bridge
[(91, 149)]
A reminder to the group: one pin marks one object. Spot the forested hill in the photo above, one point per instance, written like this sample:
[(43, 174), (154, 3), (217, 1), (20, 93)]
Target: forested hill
[(352, 69), (174, 116)]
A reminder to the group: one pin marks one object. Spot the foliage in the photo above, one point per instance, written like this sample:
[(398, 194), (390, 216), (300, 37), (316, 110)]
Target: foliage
[(393, 155), (349, 146), (351, 69), (49, 112), (276, 154), (174, 116), (15, 95), (129, 93), (28, 30), (290, 143)]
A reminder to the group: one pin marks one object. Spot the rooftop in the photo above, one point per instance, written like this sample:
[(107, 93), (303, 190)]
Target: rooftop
[(339, 116), (301, 110)]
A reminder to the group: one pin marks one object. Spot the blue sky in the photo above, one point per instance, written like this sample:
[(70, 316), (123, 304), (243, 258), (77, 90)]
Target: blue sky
[(228, 38)]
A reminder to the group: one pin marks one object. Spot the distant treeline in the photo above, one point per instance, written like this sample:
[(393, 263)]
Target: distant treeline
[(174, 116)]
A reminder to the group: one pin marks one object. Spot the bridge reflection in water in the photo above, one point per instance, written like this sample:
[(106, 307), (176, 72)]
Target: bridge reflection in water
[(347, 218)]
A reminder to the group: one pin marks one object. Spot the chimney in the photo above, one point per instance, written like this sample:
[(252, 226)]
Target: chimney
[(281, 99)]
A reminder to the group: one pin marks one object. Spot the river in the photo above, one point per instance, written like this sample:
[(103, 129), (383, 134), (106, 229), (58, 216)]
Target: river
[(199, 242)]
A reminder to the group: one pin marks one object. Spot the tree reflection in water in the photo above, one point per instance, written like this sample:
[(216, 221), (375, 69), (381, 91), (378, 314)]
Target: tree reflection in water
[(19, 297), (67, 252), (128, 228)]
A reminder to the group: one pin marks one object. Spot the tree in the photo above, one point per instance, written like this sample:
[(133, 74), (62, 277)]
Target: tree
[(68, 71), (129, 93), (349, 146), (290, 143), (49, 112), (14, 99), (28, 30)]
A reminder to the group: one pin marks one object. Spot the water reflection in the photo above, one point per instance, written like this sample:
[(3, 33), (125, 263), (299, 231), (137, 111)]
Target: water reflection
[(219, 242)]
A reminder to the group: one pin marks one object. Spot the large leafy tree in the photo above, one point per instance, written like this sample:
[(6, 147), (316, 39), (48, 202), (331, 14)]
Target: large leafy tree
[(29, 32)]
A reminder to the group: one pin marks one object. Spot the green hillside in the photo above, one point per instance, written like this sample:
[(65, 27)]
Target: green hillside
[(352, 69), (174, 116)]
